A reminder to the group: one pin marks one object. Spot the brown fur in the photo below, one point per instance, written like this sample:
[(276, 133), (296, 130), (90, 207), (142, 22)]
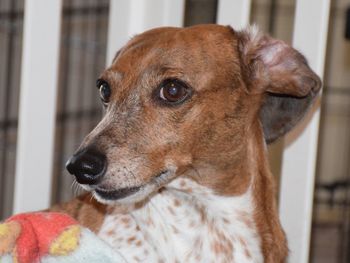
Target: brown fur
[(216, 137), (85, 209)]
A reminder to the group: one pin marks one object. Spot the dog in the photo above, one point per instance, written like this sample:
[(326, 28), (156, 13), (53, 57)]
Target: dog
[(177, 166)]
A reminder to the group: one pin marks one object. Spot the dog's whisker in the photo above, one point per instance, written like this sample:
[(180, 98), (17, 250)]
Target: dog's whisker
[(77, 188), (74, 188), (196, 171)]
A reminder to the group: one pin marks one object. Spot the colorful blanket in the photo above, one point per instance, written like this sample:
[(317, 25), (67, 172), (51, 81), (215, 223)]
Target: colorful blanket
[(51, 237)]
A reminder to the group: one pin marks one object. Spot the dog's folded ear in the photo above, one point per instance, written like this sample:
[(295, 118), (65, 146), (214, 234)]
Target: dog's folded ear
[(279, 71)]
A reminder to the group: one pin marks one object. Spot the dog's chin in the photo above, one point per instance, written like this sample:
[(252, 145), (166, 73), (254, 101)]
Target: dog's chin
[(125, 195), (132, 194)]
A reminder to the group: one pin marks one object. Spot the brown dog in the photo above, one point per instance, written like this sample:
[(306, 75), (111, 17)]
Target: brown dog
[(179, 159)]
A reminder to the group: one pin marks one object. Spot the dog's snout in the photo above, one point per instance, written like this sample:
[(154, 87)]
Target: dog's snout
[(88, 166)]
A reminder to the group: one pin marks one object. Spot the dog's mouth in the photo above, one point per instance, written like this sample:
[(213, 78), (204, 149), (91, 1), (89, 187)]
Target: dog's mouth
[(116, 194)]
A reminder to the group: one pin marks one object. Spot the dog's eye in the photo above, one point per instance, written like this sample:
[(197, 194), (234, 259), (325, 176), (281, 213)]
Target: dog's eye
[(105, 91), (173, 91)]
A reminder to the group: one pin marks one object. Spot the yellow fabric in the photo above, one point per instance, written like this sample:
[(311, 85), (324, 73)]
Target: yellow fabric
[(67, 242), (8, 236)]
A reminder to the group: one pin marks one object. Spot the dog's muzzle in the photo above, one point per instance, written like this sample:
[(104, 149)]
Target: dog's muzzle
[(88, 166)]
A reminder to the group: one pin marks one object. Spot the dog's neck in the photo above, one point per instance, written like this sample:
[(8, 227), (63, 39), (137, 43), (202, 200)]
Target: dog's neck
[(186, 222), (250, 172), (192, 222)]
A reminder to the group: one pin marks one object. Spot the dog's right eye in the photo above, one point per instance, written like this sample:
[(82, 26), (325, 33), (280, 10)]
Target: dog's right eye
[(105, 91), (173, 91)]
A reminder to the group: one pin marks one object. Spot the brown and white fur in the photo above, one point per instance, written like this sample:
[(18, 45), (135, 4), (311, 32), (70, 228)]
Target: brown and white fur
[(206, 191)]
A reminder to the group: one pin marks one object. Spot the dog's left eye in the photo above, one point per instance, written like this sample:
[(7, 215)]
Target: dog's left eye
[(173, 91), (105, 91)]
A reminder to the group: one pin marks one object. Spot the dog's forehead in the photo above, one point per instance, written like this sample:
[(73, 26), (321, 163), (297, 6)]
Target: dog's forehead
[(172, 36), (176, 47)]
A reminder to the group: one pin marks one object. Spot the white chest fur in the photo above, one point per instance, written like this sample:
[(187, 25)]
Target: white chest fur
[(186, 223)]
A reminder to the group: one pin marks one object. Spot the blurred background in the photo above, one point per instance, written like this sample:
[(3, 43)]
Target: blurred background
[(83, 56)]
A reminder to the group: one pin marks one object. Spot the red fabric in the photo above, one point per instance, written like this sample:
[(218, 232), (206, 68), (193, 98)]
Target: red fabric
[(38, 231)]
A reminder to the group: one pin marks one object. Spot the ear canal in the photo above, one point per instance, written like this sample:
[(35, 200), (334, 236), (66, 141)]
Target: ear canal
[(282, 75)]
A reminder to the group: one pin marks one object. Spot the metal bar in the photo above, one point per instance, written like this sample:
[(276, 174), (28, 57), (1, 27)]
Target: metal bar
[(6, 108), (85, 10), (299, 158), (61, 117), (272, 17), (96, 68), (42, 20), (346, 219), (200, 12), (82, 31), (235, 13), (67, 11), (130, 17), (61, 122)]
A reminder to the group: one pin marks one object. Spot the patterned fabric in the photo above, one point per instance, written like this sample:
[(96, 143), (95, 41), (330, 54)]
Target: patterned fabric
[(51, 237)]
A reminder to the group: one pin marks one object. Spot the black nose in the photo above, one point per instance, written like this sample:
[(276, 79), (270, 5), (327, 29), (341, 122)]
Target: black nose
[(88, 166)]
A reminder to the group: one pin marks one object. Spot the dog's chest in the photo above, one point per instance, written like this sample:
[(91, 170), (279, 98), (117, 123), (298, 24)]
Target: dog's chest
[(186, 223)]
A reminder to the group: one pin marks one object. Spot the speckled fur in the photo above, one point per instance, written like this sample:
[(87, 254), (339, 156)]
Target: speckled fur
[(186, 222)]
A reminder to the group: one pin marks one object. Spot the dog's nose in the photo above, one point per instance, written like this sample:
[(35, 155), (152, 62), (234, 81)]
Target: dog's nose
[(88, 166)]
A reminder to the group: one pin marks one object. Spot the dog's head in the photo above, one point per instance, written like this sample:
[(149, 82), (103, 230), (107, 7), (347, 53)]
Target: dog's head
[(178, 101)]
